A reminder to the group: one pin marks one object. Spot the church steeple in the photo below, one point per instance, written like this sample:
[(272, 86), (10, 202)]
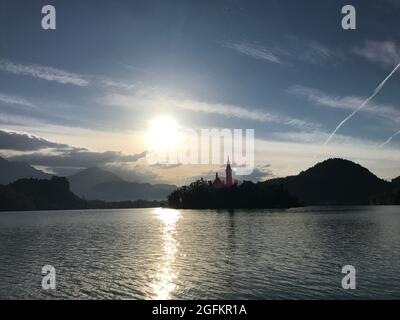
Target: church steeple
[(228, 170), (218, 183)]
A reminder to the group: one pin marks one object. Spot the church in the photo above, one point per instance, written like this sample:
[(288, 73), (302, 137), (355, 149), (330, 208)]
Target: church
[(219, 184)]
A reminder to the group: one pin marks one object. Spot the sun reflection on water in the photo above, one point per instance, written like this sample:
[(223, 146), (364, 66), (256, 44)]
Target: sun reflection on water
[(164, 281)]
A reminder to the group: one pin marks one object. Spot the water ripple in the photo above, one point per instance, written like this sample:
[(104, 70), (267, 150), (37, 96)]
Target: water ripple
[(188, 254)]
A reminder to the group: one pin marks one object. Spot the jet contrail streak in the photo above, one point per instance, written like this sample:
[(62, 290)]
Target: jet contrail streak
[(362, 105), (390, 139)]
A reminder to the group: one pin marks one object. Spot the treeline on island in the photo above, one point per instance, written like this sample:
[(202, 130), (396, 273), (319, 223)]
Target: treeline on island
[(202, 195), (54, 194), (390, 197)]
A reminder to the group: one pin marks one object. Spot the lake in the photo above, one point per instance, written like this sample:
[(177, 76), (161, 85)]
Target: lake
[(192, 254)]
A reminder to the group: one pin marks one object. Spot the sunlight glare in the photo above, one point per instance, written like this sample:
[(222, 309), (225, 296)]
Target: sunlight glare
[(164, 283), (163, 134)]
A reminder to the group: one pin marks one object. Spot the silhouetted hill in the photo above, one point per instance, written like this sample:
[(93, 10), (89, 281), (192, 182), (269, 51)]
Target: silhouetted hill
[(99, 184), (396, 181), (333, 182), (390, 197), (54, 194), (202, 195), (12, 171), (86, 179), (123, 190), (34, 194)]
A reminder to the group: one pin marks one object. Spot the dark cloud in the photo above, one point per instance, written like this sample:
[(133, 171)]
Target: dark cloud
[(129, 172), (19, 141), (64, 160), (61, 171), (79, 158), (260, 173), (166, 166)]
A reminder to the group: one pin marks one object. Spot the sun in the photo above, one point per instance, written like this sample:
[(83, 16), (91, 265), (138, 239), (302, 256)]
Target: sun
[(162, 134)]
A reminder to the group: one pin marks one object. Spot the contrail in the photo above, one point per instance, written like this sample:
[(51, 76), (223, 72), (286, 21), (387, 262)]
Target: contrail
[(362, 105), (390, 139)]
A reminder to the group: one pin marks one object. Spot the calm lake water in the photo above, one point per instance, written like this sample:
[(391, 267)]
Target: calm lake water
[(190, 254)]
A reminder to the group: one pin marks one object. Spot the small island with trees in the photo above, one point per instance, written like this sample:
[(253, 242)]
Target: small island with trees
[(229, 194), (202, 194)]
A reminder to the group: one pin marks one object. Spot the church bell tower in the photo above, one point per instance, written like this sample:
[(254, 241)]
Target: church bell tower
[(228, 170)]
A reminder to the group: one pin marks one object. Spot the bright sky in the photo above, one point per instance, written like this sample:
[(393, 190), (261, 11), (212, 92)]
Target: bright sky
[(87, 93)]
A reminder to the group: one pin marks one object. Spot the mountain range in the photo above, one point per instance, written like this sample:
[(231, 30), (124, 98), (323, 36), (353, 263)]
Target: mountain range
[(91, 183), (12, 171), (96, 183), (55, 194)]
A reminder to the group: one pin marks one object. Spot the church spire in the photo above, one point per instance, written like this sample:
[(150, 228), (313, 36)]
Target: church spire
[(229, 180)]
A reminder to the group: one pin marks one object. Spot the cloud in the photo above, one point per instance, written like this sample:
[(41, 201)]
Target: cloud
[(78, 158), (260, 173), (13, 100), (166, 166), (309, 51), (128, 171), (137, 69), (319, 137), (150, 101), (320, 98), (62, 76), (43, 72), (57, 155), (131, 173), (386, 53), (290, 49), (21, 121), (20, 141), (315, 51), (112, 83), (64, 160), (59, 171), (252, 50)]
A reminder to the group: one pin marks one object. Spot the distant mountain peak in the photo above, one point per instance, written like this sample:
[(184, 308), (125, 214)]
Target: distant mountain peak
[(338, 166), (11, 171), (84, 180), (97, 171), (98, 184), (337, 162)]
